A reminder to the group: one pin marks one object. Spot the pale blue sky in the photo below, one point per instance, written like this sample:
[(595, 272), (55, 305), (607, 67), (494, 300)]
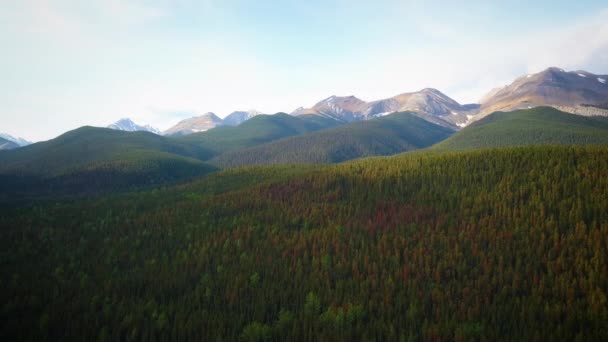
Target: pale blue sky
[(67, 63)]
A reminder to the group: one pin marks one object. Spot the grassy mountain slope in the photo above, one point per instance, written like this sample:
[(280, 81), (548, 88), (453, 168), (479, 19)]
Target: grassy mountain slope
[(257, 130), (541, 125), (503, 244), (91, 159), (387, 135)]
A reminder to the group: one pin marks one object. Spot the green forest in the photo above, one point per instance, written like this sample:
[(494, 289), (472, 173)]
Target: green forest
[(536, 126), (494, 244), (392, 134), (89, 161)]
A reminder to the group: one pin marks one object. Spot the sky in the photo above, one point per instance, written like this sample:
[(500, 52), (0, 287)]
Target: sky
[(69, 63)]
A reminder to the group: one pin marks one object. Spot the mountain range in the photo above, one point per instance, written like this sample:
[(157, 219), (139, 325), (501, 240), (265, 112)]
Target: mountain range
[(578, 92), (430, 104)]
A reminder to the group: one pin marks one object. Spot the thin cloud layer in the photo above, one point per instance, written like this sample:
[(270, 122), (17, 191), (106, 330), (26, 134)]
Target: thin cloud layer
[(73, 63)]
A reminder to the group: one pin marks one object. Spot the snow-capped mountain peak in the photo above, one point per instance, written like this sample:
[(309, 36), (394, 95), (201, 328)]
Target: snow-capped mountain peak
[(128, 125), (17, 140), (238, 117)]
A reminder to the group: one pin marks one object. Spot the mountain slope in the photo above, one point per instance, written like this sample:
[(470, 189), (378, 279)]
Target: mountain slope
[(91, 159), (578, 92), (257, 130), (195, 124), (128, 125), (387, 135), (7, 144), (540, 125)]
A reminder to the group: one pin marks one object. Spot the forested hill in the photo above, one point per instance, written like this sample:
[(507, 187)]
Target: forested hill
[(536, 126), (91, 160), (387, 135), (257, 130), (504, 244)]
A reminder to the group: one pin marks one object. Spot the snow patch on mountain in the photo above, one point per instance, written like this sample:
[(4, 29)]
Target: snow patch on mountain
[(384, 114)]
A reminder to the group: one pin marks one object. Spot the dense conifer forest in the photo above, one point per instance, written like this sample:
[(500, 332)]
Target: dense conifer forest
[(387, 135), (503, 244), (536, 126)]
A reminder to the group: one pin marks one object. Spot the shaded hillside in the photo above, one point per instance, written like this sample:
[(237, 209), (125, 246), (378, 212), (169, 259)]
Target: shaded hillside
[(537, 126), (387, 135), (505, 244)]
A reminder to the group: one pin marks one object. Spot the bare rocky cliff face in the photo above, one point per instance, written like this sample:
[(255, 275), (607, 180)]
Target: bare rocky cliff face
[(578, 92), (430, 104)]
